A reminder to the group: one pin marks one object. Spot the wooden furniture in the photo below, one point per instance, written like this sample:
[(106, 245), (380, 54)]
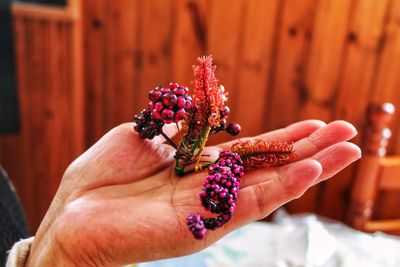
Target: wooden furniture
[(375, 172), (48, 46)]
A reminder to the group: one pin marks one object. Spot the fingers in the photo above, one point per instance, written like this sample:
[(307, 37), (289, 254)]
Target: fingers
[(259, 200), (291, 133), (334, 132), (263, 191), (332, 159), (335, 158)]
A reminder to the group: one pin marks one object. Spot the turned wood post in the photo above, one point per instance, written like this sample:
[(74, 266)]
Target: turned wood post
[(366, 180)]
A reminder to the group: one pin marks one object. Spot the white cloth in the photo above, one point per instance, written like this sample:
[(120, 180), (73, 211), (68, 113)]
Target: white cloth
[(18, 254)]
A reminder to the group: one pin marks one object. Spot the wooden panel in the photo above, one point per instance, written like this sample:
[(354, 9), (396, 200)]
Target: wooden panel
[(189, 37), (254, 65), (225, 48), (322, 71), (94, 26), (288, 73), (121, 62), (51, 134), (357, 72), (156, 26)]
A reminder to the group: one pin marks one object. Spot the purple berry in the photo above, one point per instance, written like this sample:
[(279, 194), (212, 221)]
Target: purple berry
[(196, 226), (219, 192)]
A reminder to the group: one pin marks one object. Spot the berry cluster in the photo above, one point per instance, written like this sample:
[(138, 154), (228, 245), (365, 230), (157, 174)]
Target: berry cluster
[(170, 104), (146, 126), (219, 193), (166, 105)]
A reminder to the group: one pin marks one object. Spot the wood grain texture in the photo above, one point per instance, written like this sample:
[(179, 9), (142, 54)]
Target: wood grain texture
[(51, 101), (385, 88), (85, 69), (255, 60), (225, 49), (360, 55)]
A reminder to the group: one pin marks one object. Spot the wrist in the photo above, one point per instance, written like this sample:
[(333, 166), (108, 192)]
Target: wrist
[(45, 251)]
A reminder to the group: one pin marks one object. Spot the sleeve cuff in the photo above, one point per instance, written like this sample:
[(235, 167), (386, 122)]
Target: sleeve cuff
[(19, 253)]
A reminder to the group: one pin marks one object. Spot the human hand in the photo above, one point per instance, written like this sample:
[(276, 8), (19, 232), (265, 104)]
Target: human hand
[(121, 202)]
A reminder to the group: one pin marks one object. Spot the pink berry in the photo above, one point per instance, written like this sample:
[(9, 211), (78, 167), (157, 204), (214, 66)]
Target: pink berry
[(179, 91), (181, 102), (173, 85), (180, 114), (159, 106), (165, 90), (156, 115), (167, 114), (189, 106)]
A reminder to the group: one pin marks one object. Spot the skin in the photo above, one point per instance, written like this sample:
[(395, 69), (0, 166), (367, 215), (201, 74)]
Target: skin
[(120, 202)]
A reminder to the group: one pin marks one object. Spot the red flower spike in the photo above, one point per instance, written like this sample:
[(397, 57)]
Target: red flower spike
[(209, 97), (255, 153)]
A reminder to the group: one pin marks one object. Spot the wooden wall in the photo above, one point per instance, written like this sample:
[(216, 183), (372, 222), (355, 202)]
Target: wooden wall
[(282, 61)]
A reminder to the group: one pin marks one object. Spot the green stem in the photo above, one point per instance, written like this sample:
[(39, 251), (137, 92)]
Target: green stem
[(182, 172)]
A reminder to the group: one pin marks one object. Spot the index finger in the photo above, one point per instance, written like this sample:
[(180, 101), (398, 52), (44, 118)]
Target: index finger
[(291, 133)]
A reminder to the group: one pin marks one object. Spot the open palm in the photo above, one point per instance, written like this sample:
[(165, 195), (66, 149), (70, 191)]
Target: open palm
[(121, 201)]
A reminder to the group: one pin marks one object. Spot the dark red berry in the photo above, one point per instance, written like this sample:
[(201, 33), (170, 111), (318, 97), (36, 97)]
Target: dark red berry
[(156, 115), (233, 129), (165, 90), (179, 91), (167, 114), (159, 106), (180, 114), (181, 102), (170, 99), (225, 111), (155, 95), (173, 85), (169, 104)]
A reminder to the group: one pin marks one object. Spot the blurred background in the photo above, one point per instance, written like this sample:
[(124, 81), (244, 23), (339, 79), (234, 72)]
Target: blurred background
[(73, 69)]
